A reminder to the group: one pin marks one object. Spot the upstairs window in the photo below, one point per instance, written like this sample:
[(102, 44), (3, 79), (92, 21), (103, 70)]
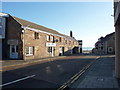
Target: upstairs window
[(69, 42), (36, 35), (52, 38), (60, 39), (48, 37), (65, 41)]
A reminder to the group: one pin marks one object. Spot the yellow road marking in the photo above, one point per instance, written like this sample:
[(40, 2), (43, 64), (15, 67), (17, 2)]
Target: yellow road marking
[(76, 76)]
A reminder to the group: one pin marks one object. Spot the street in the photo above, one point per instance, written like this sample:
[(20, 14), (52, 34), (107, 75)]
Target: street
[(52, 74)]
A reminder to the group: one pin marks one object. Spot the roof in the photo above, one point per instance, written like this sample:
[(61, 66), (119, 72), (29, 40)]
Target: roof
[(42, 28), (107, 37), (33, 25)]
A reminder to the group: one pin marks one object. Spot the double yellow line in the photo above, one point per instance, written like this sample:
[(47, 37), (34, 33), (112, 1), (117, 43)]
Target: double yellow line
[(76, 76)]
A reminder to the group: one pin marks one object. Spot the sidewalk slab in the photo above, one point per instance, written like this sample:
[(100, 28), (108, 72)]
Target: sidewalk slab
[(100, 75)]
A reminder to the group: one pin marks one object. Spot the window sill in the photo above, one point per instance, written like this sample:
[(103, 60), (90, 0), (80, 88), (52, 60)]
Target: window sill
[(30, 55)]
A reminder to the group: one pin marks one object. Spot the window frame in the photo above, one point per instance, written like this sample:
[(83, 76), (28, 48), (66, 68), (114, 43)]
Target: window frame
[(36, 35), (49, 50), (60, 39), (48, 37), (29, 51)]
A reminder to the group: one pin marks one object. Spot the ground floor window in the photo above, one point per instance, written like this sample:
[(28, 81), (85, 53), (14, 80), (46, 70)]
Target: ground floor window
[(110, 49), (29, 51), (49, 49)]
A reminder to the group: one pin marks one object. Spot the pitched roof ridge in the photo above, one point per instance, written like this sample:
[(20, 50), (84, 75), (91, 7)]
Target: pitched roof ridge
[(40, 27), (18, 19)]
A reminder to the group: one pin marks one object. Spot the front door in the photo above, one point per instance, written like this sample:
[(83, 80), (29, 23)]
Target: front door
[(62, 50), (13, 52)]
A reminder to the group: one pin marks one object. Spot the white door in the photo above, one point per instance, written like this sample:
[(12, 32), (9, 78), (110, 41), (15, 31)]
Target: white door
[(13, 52), (61, 50)]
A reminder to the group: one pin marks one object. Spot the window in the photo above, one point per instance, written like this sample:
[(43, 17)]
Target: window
[(69, 42), (65, 41), (49, 49), (102, 48), (0, 20), (48, 38), (36, 35), (52, 38), (60, 39), (110, 49), (29, 51), (1, 26), (13, 49)]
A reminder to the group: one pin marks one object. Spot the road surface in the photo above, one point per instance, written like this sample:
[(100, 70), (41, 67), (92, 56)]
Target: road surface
[(52, 74)]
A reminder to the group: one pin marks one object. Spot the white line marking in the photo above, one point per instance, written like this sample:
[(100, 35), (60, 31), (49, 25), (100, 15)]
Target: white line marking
[(17, 80)]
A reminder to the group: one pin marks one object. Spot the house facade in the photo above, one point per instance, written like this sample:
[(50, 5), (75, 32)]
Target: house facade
[(21, 39), (117, 40), (105, 45)]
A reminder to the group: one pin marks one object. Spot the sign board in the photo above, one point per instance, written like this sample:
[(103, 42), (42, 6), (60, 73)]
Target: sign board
[(12, 42), (2, 27), (50, 44)]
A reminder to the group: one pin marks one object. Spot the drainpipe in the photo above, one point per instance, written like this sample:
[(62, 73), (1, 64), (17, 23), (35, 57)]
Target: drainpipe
[(24, 28)]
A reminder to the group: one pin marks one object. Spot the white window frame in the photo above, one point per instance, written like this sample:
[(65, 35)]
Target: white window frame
[(30, 51), (110, 51), (52, 39), (48, 38), (49, 50)]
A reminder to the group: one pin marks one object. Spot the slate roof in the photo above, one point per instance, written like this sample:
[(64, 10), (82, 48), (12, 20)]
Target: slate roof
[(42, 28)]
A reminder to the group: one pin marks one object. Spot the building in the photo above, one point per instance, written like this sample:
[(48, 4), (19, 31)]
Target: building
[(21, 39), (105, 45), (117, 31), (80, 46)]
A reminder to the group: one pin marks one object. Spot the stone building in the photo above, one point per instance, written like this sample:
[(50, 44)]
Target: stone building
[(21, 39), (105, 45), (117, 31)]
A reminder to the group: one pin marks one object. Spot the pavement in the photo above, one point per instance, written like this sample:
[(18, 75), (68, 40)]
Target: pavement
[(100, 75), (14, 64)]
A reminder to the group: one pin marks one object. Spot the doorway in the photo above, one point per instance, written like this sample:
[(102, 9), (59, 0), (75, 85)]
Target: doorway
[(13, 51)]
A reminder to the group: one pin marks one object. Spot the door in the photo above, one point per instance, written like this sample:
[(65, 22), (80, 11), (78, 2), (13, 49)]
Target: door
[(13, 51), (62, 50)]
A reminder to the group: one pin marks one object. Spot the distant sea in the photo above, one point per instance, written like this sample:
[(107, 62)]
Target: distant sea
[(87, 48)]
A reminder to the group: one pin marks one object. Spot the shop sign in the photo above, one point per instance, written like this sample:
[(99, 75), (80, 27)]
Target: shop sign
[(50, 44)]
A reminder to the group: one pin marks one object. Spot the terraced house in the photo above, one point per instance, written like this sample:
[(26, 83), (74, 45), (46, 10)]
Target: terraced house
[(105, 45), (21, 39)]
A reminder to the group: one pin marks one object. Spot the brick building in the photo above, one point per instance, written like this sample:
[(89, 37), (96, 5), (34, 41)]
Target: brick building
[(117, 32), (21, 39), (105, 45)]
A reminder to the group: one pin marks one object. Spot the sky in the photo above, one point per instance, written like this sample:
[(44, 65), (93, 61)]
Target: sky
[(88, 20)]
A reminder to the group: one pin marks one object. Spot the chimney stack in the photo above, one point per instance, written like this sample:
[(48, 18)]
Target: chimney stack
[(71, 35)]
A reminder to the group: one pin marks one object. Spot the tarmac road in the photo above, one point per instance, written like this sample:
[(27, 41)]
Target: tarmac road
[(52, 74)]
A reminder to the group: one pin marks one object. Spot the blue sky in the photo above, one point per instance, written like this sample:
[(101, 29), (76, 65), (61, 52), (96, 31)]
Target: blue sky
[(87, 20)]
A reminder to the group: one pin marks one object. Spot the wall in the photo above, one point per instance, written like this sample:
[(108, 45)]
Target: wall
[(13, 32)]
